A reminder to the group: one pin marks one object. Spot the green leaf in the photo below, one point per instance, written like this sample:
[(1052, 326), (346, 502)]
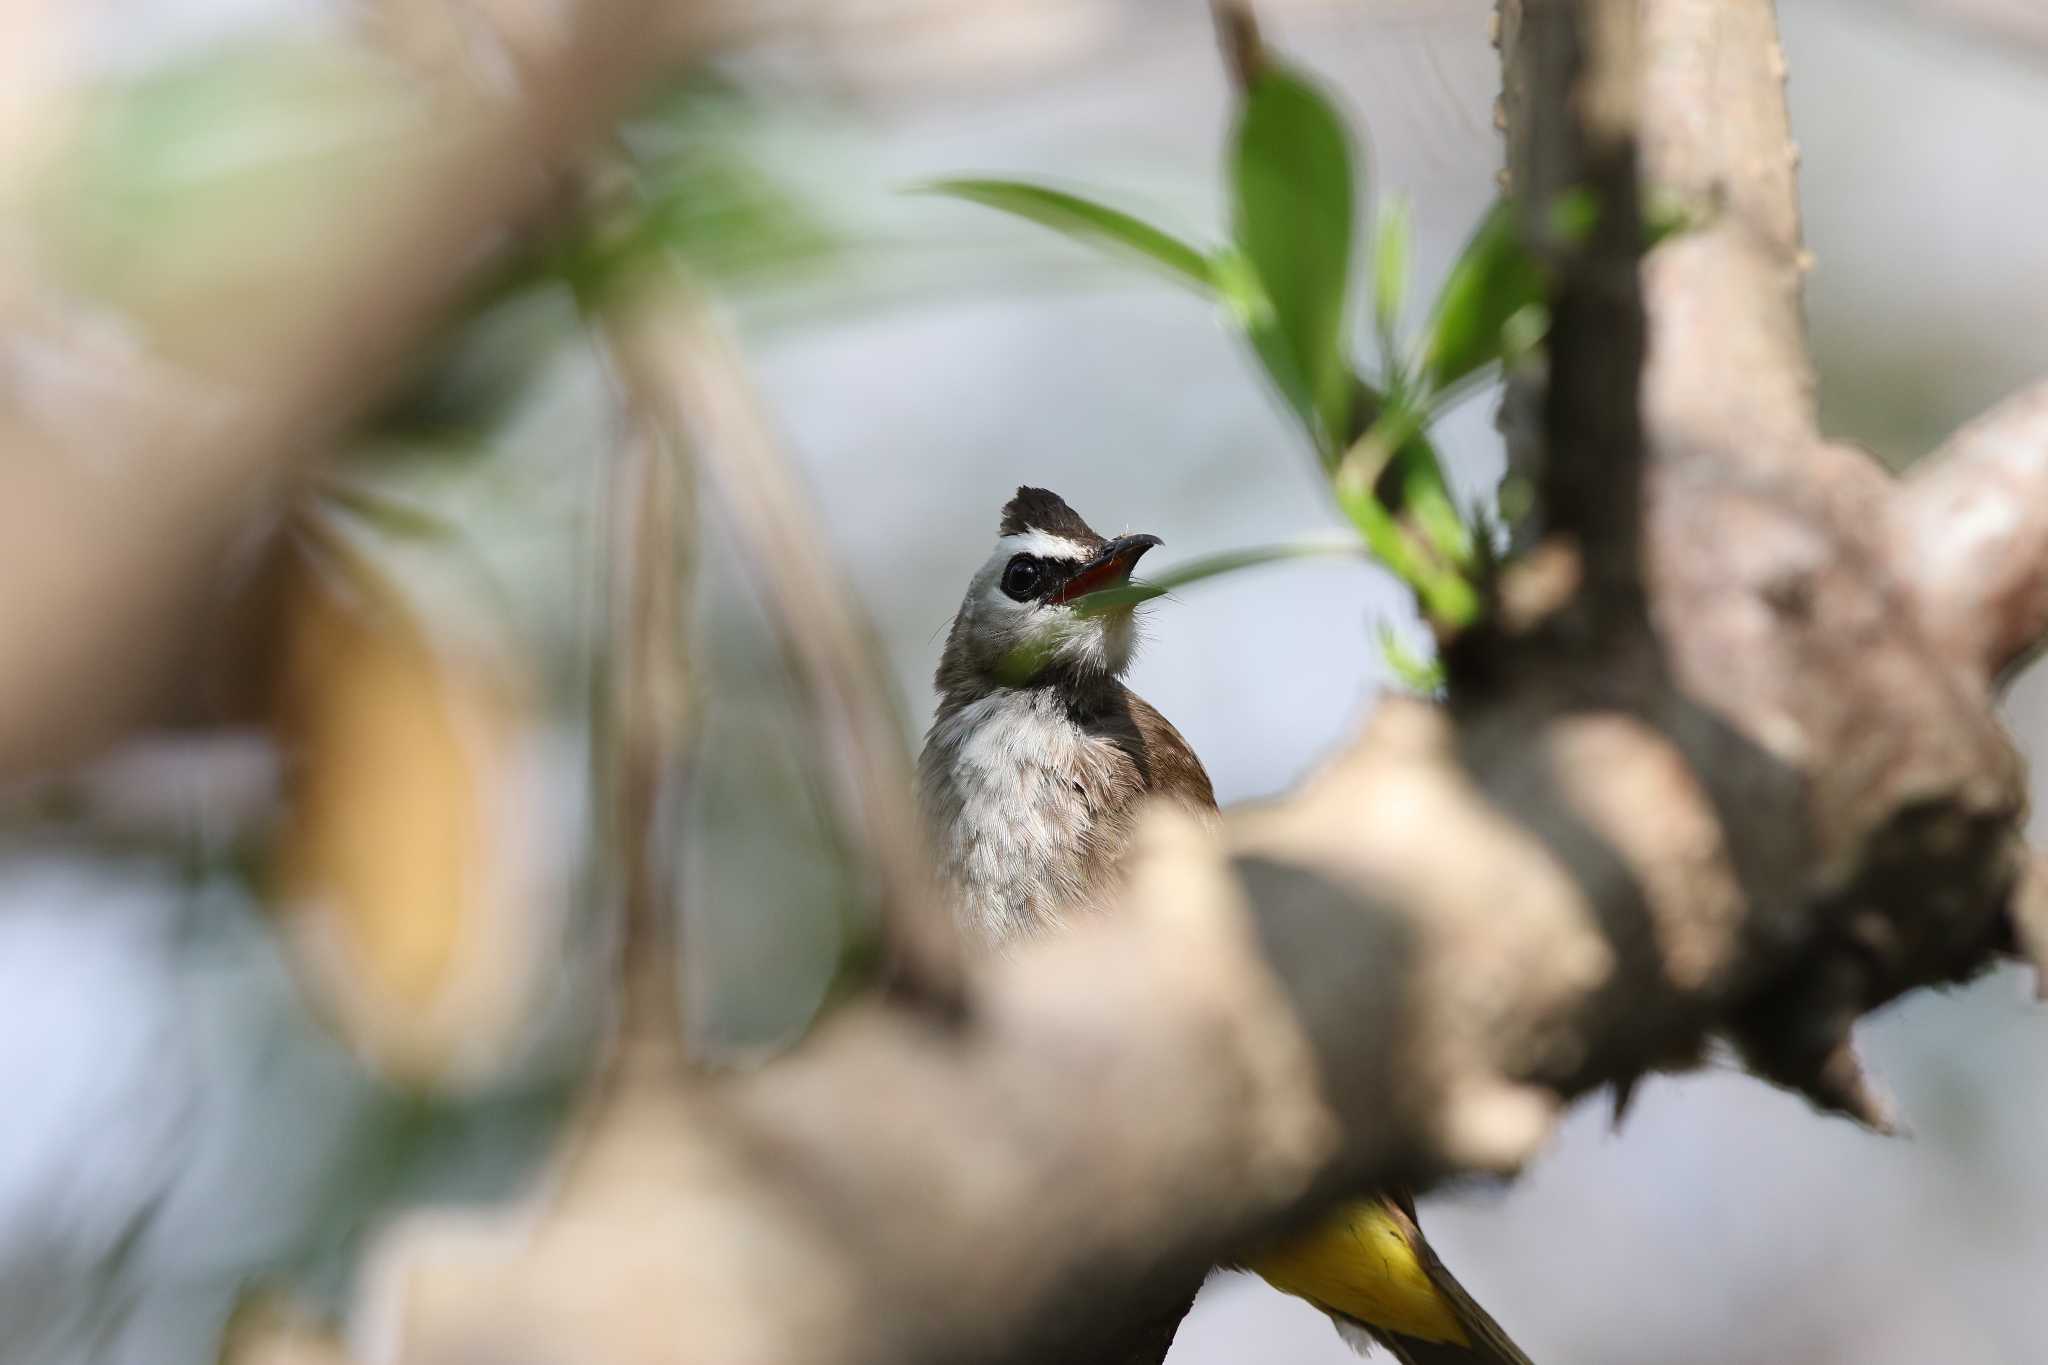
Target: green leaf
[(1246, 300), (1396, 439), (1391, 254), (1427, 546), (1209, 566), (1494, 280), (1230, 561), (1382, 533), (1086, 221), (1429, 504), (1292, 193), (389, 512), (1425, 676), (1124, 595)]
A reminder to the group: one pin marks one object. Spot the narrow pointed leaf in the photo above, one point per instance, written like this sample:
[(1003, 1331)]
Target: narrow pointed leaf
[(1494, 280), (1210, 566), (1391, 253), (1084, 220), (1245, 298), (1292, 195), (1418, 673)]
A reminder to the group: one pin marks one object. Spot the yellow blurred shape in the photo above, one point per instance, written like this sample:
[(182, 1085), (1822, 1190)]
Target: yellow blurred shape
[(267, 1328), (407, 894)]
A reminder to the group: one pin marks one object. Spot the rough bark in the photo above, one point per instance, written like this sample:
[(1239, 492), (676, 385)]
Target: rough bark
[(1969, 530)]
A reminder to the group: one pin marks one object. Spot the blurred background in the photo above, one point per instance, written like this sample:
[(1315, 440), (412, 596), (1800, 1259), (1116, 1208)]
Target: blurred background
[(178, 1121)]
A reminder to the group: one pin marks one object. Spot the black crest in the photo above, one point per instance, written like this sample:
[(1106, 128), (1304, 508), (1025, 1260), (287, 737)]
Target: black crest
[(1041, 509)]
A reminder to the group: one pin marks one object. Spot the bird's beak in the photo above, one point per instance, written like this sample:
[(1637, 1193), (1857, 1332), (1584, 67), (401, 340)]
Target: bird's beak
[(1111, 566)]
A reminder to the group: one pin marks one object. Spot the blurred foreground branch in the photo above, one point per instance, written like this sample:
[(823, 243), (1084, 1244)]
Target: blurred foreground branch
[(179, 408)]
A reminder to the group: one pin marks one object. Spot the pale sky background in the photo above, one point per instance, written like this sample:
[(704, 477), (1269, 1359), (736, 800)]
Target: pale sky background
[(175, 1122)]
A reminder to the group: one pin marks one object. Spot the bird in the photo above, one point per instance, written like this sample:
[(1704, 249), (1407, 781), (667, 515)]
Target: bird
[(1037, 765)]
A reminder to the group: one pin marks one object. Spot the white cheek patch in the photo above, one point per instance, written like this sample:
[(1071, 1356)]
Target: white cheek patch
[(999, 606)]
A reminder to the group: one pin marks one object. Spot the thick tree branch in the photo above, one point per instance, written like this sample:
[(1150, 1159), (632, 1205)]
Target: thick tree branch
[(1728, 364), (1972, 530), (1768, 565), (1572, 166)]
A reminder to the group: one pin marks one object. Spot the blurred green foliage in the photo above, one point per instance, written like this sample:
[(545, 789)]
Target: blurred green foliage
[(219, 164), (1086, 220), (686, 188)]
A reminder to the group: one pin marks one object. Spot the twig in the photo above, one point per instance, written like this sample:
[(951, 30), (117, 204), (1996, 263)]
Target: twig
[(832, 649), (650, 558), (1237, 32)]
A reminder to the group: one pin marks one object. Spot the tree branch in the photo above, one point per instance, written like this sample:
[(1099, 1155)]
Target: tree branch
[(1572, 167), (1971, 523), (832, 648), (646, 717), (1237, 37)]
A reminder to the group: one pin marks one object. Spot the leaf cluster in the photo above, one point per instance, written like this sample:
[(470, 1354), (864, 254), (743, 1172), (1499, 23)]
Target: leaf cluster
[(1284, 279)]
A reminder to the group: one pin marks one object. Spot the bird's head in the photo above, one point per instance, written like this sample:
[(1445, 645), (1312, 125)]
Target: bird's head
[(1018, 626)]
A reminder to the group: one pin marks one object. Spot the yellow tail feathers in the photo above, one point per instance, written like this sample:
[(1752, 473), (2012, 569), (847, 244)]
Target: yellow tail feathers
[(1365, 1261)]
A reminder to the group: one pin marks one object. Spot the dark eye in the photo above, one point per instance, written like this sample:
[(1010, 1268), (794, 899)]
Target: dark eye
[(1022, 576)]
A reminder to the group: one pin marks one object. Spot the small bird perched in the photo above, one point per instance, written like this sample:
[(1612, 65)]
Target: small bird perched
[(1032, 778)]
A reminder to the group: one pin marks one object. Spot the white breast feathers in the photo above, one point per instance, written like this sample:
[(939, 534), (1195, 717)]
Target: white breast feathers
[(1016, 794)]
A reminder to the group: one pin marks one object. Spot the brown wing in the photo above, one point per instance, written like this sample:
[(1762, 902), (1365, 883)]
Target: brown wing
[(1168, 765)]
